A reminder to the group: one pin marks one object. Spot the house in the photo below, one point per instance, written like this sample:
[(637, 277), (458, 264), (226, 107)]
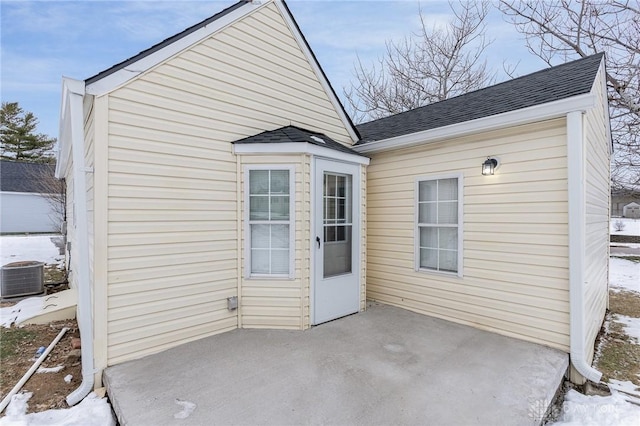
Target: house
[(211, 195), (622, 198), (26, 200)]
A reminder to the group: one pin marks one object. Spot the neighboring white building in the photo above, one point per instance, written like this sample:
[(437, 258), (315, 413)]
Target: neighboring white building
[(631, 210), (23, 207)]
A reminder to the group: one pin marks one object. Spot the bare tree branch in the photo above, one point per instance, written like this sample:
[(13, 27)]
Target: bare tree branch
[(429, 66), (566, 29)]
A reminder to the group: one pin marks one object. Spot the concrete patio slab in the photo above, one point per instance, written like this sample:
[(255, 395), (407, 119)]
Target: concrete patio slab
[(383, 366)]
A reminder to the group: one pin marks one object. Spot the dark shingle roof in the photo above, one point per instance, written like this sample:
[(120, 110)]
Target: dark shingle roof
[(165, 42), (548, 85), (295, 134), (17, 176)]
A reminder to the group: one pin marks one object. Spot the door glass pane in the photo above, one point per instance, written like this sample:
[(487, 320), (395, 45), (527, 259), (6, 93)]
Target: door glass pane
[(337, 255), (337, 214)]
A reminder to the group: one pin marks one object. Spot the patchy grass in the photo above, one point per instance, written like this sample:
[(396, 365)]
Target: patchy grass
[(54, 275), (618, 355), (11, 339), (631, 258), (625, 303)]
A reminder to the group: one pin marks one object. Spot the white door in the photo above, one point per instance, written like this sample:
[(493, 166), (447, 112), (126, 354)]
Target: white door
[(336, 289)]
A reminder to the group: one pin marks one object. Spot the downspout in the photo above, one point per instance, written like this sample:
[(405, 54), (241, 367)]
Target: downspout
[(76, 91), (577, 229)]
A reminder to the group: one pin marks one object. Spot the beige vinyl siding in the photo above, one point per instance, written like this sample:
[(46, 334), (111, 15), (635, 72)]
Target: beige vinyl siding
[(597, 190), (280, 303), (515, 266), (172, 179)]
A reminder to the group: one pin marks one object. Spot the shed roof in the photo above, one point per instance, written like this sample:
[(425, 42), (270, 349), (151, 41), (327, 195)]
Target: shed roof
[(19, 176), (293, 134), (548, 85)]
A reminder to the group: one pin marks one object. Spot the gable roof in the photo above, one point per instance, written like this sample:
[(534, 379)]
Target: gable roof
[(294, 134), (19, 176), (118, 74), (548, 85), (165, 42)]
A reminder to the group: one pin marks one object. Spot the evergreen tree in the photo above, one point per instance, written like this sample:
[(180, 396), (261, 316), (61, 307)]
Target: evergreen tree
[(18, 137)]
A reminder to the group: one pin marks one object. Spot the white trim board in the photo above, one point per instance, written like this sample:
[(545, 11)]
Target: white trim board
[(298, 148)]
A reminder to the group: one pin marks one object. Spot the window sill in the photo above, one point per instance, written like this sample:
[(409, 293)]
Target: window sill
[(440, 273)]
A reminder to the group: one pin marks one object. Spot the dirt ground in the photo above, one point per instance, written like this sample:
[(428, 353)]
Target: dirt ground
[(18, 346)]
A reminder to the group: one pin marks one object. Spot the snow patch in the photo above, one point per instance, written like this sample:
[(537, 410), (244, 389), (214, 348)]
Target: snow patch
[(21, 311), (187, 408), (626, 387), (582, 410), (631, 226), (624, 274), (31, 247), (67, 378), (91, 411), (631, 326), (56, 369)]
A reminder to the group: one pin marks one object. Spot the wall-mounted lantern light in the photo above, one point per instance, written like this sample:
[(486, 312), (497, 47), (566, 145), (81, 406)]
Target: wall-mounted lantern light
[(489, 166)]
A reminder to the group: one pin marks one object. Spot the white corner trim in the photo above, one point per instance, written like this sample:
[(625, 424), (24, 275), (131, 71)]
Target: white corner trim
[(118, 78), (70, 87), (297, 148), (337, 106), (493, 122), (577, 230)]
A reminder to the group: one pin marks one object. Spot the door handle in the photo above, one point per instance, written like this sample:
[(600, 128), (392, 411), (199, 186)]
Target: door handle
[(318, 241)]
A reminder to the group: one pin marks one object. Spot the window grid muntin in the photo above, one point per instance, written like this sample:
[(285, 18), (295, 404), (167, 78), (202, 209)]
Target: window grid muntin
[(437, 225), (270, 221)]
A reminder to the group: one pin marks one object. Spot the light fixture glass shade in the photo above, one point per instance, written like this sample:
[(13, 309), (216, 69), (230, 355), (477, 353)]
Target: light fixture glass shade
[(489, 166)]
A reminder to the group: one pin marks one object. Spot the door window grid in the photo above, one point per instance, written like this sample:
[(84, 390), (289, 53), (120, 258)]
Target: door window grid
[(337, 211)]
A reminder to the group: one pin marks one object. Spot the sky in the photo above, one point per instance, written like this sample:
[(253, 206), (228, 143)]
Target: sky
[(41, 41)]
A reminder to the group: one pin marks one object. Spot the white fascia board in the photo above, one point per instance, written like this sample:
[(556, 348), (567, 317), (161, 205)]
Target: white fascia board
[(70, 87), (297, 148), (316, 69), (493, 122), (118, 78)]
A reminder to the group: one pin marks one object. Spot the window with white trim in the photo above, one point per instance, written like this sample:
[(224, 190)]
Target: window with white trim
[(438, 225), (270, 222)]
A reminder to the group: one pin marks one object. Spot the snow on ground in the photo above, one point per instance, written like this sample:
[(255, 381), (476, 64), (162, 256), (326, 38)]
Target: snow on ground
[(624, 274), (582, 410), (91, 411), (21, 311), (16, 248), (631, 326), (631, 226)]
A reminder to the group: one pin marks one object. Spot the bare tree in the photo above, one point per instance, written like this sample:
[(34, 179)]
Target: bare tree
[(52, 189), (429, 66), (566, 29)]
